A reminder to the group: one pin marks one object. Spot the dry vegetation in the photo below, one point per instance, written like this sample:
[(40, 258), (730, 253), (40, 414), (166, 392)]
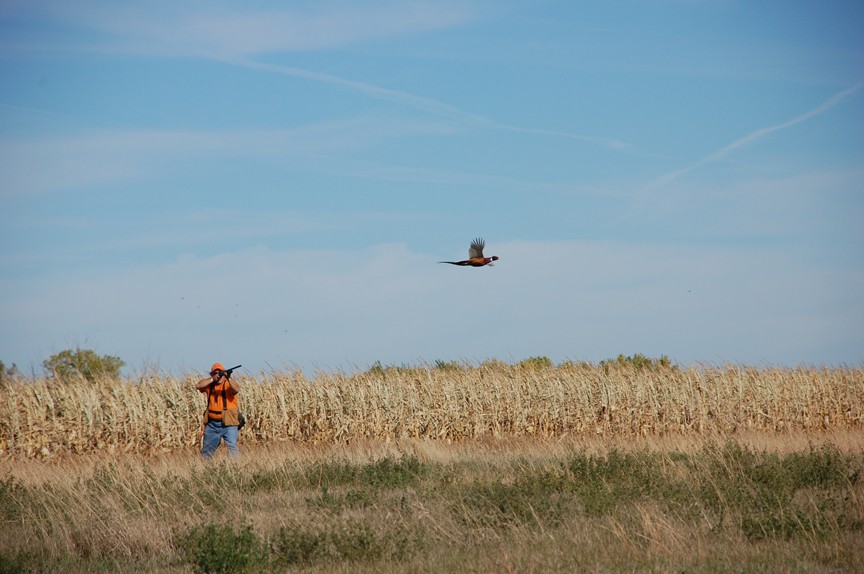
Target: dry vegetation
[(453, 403), (490, 468)]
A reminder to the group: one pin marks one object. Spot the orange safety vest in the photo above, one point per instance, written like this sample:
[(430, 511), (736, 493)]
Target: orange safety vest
[(220, 397)]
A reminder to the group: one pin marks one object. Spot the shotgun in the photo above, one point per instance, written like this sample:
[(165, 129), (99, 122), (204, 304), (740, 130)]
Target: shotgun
[(231, 370)]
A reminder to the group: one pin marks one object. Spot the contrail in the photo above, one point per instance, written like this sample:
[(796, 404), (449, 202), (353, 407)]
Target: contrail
[(395, 96), (420, 103), (668, 178)]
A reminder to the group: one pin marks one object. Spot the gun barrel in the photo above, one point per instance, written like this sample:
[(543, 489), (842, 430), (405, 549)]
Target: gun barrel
[(232, 369)]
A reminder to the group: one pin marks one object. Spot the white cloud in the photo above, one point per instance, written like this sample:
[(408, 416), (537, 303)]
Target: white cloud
[(235, 35), (34, 165), (228, 30), (350, 308)]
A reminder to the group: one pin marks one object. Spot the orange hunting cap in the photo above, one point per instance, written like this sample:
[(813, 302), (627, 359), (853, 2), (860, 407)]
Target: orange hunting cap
[(217, 367)]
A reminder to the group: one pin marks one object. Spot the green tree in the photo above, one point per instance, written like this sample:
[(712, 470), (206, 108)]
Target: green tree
[(639, 362), (7, 373), (68, 364), (540, 362)]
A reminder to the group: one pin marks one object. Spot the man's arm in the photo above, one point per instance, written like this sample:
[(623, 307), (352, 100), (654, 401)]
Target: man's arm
[(203, 384)]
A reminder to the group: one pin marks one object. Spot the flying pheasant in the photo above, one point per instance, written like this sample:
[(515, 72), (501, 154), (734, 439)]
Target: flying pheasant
[(475, 255)]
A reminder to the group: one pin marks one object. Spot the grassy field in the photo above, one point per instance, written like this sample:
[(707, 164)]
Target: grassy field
[(493, 468)]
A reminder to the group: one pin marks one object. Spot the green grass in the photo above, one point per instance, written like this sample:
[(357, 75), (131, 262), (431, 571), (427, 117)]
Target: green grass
[(722, 508)]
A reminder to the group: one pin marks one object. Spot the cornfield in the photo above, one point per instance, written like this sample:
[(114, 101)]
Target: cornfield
[(158, 413)]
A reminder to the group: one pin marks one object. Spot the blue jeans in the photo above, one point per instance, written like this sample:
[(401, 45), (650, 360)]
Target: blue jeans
[(214, 432)]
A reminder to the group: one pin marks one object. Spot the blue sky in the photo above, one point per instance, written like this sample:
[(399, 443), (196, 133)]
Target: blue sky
[(273, 183)]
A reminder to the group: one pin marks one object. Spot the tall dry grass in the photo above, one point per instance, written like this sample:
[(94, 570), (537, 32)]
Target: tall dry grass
[(414, 505), (161, 413)]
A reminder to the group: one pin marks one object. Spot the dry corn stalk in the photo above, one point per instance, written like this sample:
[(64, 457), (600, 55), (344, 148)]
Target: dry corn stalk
[(41, 418)]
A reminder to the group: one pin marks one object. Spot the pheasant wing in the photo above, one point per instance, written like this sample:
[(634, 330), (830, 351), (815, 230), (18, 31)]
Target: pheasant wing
[(476, 249)]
